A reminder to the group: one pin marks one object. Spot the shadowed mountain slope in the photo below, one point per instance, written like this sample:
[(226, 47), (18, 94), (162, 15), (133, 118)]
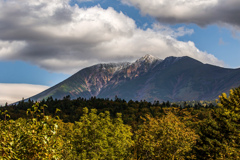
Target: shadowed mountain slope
[(149, 78)]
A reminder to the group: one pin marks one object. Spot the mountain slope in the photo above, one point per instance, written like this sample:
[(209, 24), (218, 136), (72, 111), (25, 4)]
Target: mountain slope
[(149, 78)]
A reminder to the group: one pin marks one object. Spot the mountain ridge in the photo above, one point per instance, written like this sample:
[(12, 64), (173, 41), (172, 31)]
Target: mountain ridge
[(148, 78)]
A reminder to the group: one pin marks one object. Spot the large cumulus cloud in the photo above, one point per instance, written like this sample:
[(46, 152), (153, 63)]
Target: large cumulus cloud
[(64, 38), (201, 12)]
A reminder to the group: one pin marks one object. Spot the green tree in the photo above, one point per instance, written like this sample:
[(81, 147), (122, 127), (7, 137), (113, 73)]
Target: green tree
[(34, 138), (164, 138), (220, 132), (100, 137)]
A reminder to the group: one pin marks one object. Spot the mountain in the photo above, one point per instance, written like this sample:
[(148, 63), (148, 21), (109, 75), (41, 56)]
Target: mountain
[(148, 78)]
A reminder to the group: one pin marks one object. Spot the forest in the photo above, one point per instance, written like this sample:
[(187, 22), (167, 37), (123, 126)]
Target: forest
[(98, 128)]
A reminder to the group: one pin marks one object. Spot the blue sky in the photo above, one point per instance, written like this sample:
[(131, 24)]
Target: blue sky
[(44, 42)]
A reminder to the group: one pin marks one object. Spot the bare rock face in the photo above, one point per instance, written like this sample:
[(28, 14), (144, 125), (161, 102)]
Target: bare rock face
[(148, 78)]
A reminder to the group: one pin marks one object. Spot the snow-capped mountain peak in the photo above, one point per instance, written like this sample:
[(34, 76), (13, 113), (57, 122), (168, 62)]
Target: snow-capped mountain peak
[(147, 58)]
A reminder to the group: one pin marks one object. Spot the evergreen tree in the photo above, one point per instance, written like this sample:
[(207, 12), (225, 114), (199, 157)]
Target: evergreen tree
[(220, 132)]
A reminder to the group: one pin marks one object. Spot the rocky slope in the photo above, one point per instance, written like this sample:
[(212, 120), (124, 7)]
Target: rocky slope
[(149, 78)]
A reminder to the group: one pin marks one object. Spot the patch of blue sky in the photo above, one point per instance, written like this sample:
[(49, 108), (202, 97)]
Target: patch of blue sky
[(142, 21), (22, 72), (215, 40)]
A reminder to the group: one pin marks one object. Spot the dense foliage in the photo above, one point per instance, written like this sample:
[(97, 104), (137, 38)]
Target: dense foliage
[(164, 138), (43, 137), (220, 132), (132, 111), (107, 129)]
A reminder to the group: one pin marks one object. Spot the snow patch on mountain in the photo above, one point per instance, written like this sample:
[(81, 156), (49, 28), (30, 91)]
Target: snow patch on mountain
[(147, 59)]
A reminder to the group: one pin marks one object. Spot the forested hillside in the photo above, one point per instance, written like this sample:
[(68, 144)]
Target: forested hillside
[(107, 129)]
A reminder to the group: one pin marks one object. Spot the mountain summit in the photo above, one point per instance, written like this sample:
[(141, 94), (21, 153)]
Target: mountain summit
[(148, 78), (147, 59)]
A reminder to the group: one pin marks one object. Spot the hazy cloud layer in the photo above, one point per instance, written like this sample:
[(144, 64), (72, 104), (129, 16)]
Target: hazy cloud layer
[(11, 93), (64, 38), (201, 12)]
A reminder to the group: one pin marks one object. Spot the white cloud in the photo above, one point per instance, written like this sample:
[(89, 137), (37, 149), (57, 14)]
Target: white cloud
[(201, 12), (11, 93), (8, 48), (165, 30), (64, 38)]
